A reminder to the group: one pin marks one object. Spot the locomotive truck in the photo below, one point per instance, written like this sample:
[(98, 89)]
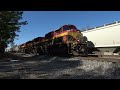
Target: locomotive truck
[(65, 40)]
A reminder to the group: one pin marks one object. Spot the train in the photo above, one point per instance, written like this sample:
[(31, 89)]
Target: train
[(66, 40), (105, 38)]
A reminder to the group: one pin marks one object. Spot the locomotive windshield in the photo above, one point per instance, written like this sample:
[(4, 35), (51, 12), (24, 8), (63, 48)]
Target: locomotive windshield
[(72, 27), (68, 27)]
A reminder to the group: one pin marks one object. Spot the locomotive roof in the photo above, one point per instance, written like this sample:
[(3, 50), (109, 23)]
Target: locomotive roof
[(70, 25), (49, 33), (38, 38), (28, 42), (22, 44)]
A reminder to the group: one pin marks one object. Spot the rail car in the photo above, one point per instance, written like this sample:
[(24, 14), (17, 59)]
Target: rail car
[(65, 40), (105, 38)]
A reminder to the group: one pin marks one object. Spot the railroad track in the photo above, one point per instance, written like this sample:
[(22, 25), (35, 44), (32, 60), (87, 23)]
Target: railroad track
[(108, 58)]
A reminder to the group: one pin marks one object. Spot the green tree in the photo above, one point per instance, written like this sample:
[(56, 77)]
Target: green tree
[(10, 23)]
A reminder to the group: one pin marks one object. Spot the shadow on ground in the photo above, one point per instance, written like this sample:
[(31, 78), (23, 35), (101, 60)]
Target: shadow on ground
[(51, 64), (55, 64), (46, 64)]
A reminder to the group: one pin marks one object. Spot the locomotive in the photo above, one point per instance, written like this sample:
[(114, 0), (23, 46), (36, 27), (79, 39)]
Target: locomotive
[(66, 40)]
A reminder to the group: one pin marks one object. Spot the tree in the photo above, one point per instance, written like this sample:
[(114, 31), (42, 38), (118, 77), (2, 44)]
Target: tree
[(10, 23)]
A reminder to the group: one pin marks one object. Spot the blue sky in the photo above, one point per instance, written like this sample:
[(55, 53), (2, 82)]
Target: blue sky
[(42, 22)]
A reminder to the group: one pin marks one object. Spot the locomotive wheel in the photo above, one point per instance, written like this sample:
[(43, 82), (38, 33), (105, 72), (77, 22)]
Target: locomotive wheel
[(84, 52), (65, 50), (75, 53)]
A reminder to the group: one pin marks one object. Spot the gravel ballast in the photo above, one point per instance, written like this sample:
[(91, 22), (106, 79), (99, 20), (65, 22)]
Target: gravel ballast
[(55, 67)]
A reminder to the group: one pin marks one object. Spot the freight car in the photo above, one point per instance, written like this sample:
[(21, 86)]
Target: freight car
[(105, 38), (65, 40)]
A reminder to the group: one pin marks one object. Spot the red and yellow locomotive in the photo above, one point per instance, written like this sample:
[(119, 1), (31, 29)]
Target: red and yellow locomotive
[(65, 40)]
